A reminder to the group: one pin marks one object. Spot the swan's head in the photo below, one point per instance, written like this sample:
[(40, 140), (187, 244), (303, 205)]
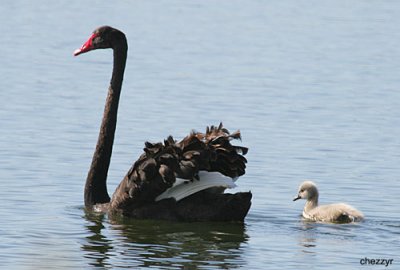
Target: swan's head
[(103, 37), (307, 190)]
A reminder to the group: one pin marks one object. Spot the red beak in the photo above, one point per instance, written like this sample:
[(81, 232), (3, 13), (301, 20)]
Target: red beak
[(88, 46)]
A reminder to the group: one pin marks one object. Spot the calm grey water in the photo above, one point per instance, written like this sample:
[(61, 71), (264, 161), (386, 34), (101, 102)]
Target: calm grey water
[(313, 85)]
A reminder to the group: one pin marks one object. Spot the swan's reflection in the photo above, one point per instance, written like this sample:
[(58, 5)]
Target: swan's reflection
[(120, 242), (97, 246)]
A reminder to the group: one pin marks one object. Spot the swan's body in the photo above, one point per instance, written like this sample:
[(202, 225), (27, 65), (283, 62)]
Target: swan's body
[(172, 180), (336, 213)]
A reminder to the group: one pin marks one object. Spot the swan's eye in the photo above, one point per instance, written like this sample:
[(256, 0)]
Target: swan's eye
[(301, 190), (97, 40)]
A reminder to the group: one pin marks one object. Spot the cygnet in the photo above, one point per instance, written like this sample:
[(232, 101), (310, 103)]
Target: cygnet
[(335, 213)]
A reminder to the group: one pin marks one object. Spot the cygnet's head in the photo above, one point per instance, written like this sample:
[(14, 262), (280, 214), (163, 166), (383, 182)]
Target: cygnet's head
[(307, 190)]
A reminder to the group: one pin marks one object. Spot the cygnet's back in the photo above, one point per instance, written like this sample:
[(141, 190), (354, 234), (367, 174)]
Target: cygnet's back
[(336, 213)]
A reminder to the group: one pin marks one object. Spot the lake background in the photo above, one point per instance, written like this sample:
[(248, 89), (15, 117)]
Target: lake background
[(313, 86)]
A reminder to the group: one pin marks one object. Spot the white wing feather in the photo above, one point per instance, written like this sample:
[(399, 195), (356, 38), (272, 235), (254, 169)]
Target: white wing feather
[(183, 188)]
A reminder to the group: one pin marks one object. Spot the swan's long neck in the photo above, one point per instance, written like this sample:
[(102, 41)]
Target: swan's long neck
[(96, 186)]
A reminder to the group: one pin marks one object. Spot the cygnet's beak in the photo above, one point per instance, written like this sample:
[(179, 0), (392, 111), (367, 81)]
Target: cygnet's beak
[(296, 198)]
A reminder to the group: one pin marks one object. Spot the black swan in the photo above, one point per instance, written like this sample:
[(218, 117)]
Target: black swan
[(178, 181)]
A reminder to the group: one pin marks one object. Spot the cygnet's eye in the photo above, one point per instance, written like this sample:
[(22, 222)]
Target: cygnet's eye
[(301, 190)]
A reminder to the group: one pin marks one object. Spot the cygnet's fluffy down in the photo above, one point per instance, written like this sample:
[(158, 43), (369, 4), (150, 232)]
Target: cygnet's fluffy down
[(336, 213)]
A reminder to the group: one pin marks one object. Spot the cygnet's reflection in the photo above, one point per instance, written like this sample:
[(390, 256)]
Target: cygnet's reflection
[(307, 239)]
